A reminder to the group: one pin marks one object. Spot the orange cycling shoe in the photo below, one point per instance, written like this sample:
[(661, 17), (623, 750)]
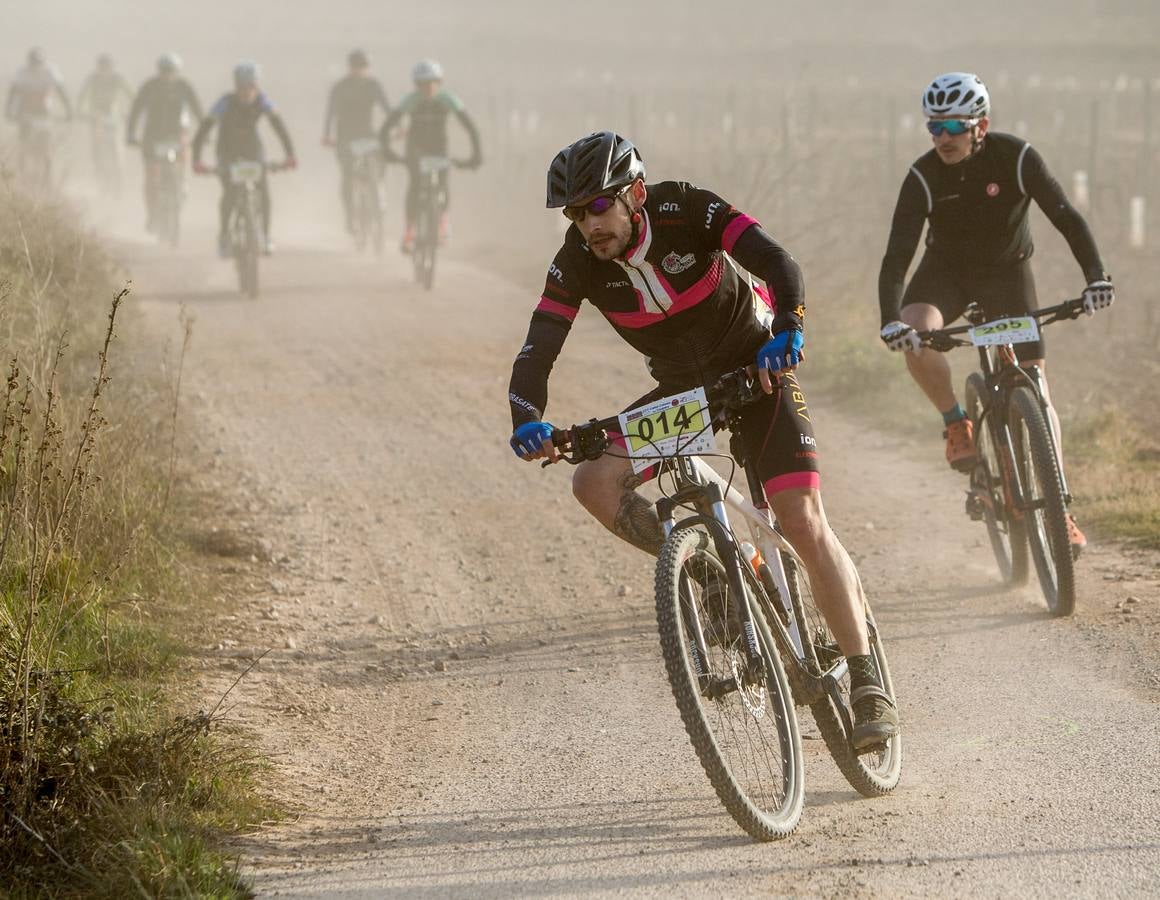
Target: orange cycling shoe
[(1075, 537), (960, 437)]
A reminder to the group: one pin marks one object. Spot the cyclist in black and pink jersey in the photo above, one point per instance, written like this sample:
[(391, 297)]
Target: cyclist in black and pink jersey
[(975, 188), (657, 261)]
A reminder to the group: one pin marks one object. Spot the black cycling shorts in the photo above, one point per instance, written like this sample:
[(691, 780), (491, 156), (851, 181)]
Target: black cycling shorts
[(777, 432), (1007, 290)]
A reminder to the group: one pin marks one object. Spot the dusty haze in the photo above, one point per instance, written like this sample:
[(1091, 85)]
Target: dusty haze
[(463, 693)]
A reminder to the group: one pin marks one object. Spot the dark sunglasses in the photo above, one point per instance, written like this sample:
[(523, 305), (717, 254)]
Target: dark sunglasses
[(595, 207), (950, 126)]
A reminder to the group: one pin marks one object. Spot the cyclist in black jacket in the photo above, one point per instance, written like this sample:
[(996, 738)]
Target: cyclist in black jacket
[(655, 261), (237, 115), (350, 117), (169, 107), (975, 188)]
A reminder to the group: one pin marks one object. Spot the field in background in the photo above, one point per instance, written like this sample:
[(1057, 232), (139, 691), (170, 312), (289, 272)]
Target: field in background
[(808, 120), (824, 179)]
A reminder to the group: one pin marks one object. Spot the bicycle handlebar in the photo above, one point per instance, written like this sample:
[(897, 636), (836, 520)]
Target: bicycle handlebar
[(944, 339), (216, 170), (590, 440)]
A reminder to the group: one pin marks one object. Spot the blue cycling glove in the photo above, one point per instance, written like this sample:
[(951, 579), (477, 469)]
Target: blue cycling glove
[(529, 437), (782, 351)]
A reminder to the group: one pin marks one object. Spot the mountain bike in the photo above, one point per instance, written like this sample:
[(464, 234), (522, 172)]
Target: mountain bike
[(1017, 487), (366, 194), (245, 229), (166, 163), (38, 138), (743, 639), (430, 204)]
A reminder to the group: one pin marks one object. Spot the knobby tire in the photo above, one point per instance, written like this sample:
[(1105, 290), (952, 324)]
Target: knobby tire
[(1042, 486), (1005, 526), (870, 774), (686, 553)]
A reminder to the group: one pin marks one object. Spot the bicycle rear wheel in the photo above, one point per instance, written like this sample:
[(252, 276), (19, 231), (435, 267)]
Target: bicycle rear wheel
[(1005, 528), (1045, 509), (744, 730), (872, 773)]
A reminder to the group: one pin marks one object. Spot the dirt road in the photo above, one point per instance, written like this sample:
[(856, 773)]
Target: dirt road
[(464, 694)]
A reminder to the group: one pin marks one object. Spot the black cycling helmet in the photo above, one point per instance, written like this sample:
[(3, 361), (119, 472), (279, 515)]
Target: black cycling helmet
[(597, 164), (357, 59)]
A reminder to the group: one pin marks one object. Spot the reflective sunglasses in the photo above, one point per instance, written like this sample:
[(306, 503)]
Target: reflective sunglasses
[(595, 207), (953, 127)]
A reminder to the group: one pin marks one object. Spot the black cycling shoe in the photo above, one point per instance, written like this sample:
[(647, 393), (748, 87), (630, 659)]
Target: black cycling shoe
[(875, 717)]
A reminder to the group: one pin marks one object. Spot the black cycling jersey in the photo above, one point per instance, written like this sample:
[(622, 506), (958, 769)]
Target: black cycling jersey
[(675, 296), (104, 93), (238, 129), (427, 124), (977, 211), (350, 110), (167, 104)]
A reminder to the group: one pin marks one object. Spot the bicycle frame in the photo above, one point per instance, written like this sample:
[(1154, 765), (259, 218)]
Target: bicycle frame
[(1002, 374), (713, 495)]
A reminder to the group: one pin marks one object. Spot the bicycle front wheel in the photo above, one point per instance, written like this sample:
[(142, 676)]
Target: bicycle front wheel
[(743, 729), (426, 240), (1045, 509), (990, 499), (871, 773)]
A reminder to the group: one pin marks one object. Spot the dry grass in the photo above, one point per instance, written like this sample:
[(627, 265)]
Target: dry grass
[(106, 786)]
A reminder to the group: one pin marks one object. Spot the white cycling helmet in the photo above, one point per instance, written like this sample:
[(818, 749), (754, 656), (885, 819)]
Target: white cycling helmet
[(956, 95), (247, 74), (426, 70), (169, 62)]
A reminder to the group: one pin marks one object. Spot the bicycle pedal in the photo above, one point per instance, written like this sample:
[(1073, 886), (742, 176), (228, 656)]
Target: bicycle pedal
[(976, 508)]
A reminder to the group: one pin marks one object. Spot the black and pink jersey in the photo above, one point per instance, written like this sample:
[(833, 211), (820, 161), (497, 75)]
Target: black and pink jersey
[(677, 295)]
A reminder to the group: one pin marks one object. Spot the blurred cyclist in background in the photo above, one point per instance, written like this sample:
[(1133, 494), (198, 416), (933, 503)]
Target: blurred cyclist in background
[(103, 100), (31, 104), (169, 106), (974, 187), (350, 117), (427, 108), (237, 115)]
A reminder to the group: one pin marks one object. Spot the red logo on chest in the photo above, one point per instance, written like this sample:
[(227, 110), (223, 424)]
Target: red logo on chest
[(992, 190)]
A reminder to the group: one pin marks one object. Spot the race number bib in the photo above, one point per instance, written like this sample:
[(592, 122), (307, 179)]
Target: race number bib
[(243, 172), (668, 427), (364, 147), (1020, 330), (167, 150), (431, 164)]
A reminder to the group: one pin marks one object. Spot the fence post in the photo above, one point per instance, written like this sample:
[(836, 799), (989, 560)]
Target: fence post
[(1145, 186)]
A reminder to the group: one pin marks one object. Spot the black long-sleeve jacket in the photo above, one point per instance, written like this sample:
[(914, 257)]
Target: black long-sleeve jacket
[(977, 210)]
